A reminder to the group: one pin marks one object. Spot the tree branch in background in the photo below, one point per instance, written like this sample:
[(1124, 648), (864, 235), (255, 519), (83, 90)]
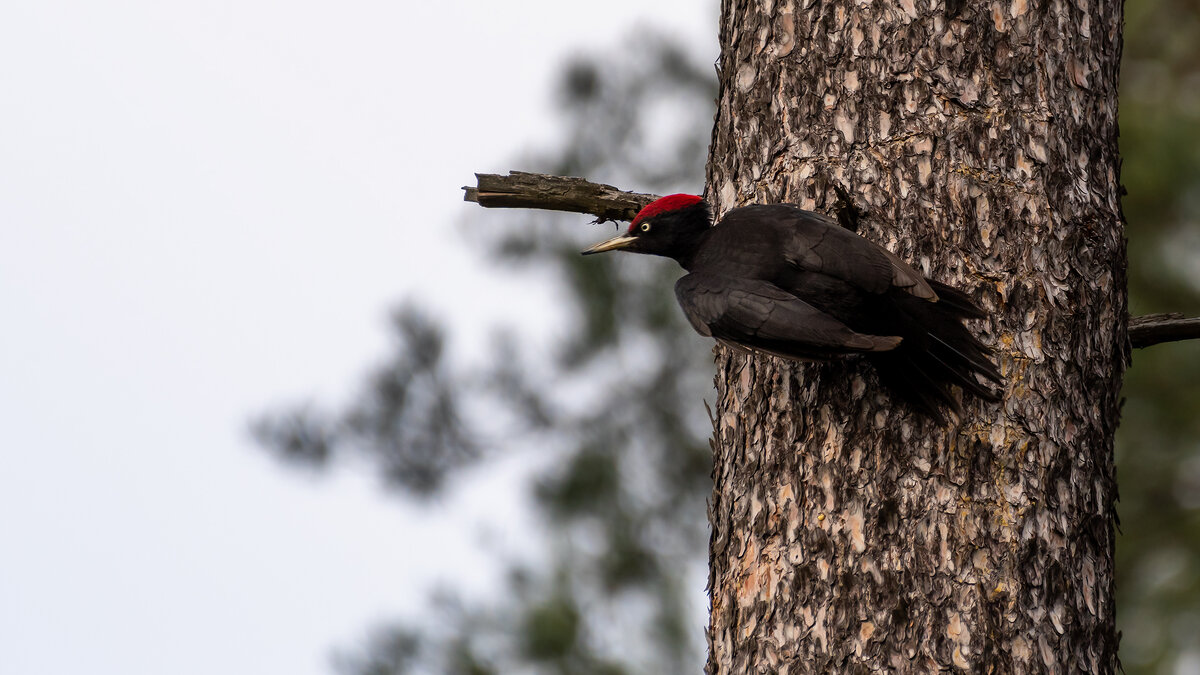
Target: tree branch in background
[(1153, 329), (522, 190)]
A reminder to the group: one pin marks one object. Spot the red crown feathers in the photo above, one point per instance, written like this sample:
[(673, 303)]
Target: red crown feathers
[(663, 204)]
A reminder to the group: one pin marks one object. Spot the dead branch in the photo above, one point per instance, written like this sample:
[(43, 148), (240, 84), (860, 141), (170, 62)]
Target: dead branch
[(1153, 329), (520, 190)]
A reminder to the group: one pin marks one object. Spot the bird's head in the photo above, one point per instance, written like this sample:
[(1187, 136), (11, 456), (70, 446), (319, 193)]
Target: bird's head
[(667, 226)]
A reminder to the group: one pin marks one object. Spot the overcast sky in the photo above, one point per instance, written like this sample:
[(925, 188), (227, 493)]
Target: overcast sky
[(206, 210)]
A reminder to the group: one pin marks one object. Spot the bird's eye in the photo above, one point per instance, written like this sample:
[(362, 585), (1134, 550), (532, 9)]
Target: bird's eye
[(645, 227)]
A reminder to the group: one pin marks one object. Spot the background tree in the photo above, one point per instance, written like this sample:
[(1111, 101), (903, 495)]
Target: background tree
[(596, 494), (1158, 442), (624, 456)]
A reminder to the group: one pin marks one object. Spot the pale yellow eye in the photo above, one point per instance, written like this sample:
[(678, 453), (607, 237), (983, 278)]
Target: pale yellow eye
[(645, 227)]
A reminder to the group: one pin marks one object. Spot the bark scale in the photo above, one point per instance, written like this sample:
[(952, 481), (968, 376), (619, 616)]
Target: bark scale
[(979, 142)]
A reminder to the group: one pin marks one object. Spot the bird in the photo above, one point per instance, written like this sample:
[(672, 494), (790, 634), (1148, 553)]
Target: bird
[(778, 280)]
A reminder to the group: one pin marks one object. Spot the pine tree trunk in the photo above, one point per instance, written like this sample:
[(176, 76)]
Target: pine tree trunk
[(980, 143)]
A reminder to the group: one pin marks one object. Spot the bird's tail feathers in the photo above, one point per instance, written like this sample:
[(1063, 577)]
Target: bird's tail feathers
[(916, 385), (939, 351), (954, 299)]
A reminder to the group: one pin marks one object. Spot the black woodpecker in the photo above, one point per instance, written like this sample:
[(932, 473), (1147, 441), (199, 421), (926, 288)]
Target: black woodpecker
[(779, 280)]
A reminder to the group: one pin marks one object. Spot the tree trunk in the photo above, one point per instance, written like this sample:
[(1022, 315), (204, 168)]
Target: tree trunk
[(979, 142)]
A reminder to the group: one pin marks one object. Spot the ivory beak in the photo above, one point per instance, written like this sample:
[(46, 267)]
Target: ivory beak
[(620, 241)]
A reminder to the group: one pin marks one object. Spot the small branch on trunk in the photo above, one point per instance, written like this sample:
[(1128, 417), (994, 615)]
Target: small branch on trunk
[(1152, 329), (520, 190)]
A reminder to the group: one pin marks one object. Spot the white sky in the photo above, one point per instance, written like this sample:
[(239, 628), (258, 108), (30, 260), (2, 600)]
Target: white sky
[(205, 211)]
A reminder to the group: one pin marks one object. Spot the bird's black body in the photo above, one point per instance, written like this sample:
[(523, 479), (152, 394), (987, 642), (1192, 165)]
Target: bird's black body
[(780, 280)]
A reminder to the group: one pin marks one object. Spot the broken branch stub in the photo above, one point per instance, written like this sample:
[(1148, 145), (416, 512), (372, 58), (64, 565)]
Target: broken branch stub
[(520, 190)]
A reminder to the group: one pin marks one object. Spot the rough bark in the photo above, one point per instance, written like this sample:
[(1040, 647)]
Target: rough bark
[(979, 141)]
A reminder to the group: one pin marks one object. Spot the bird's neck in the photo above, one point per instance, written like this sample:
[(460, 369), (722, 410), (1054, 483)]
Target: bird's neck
[(686, 249)]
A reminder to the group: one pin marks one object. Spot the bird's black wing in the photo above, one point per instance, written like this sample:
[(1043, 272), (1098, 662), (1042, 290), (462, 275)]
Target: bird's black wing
[(815, 243), (760, 316)]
